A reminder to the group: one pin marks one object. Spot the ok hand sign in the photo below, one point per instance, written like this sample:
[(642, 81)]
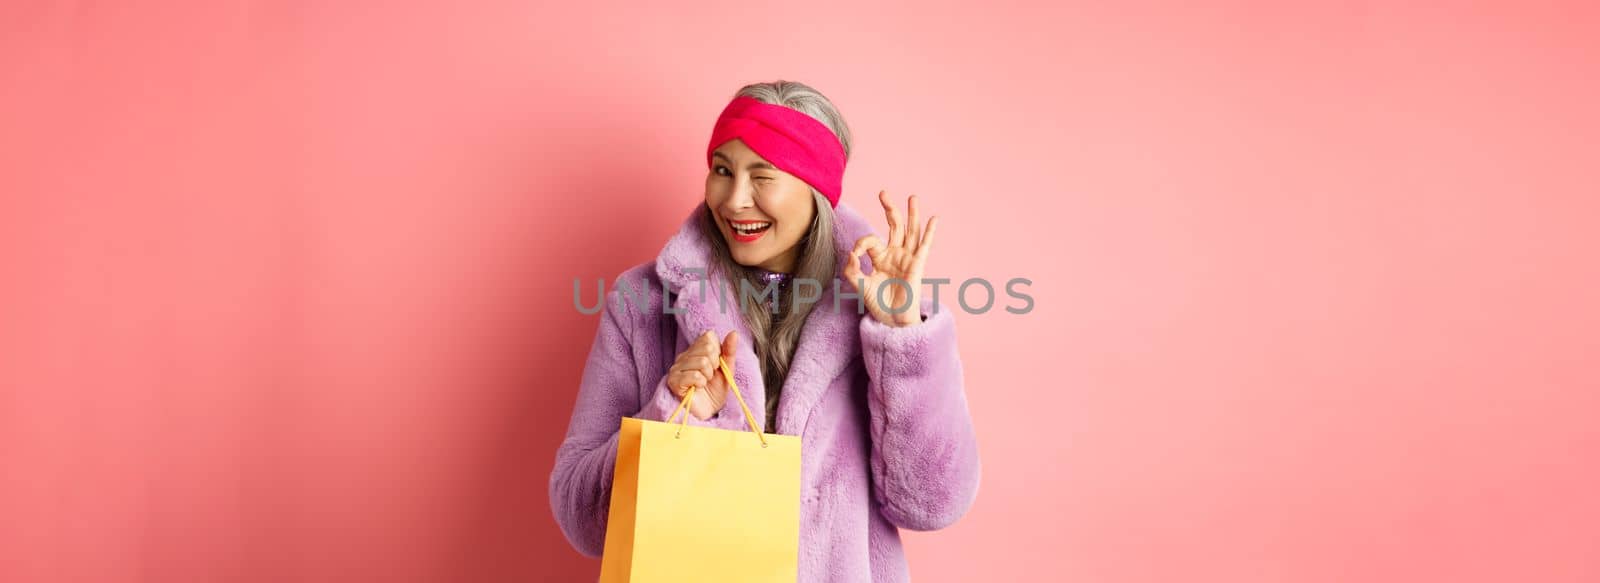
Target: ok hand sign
[(902, 258)]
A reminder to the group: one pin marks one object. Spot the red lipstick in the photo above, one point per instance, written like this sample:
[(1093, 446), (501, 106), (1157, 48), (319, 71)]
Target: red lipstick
[(749, 231)]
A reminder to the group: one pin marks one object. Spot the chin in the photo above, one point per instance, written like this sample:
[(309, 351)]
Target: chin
[(748, 260)]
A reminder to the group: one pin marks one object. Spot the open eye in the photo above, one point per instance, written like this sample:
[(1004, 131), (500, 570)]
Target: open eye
[(718, 170)]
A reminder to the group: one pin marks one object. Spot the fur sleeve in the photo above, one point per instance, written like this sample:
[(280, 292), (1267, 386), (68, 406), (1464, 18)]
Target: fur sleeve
[(580, 483), (925, 463)]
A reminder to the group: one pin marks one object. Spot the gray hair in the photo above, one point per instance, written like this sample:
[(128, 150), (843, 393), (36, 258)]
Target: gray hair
[(775, 337)]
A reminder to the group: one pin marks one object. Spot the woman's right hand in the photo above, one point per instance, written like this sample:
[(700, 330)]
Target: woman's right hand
[(697, 366)]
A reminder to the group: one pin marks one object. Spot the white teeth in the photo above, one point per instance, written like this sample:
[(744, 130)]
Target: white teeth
[(749, 228)]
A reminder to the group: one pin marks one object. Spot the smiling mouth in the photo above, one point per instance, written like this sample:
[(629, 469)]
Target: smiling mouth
[(749, 232)]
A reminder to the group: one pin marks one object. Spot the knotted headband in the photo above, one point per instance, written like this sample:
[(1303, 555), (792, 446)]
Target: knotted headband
[(793, 141)]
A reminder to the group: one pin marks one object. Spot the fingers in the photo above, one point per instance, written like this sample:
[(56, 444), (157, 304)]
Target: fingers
[(852, 269), (913, 233), (868, 243), (680, 381), (927, 238), (696, 365), (685, 376), (897, 235), (690, 362), (872, 246), (706, 344), (725, 353), (704, 357)]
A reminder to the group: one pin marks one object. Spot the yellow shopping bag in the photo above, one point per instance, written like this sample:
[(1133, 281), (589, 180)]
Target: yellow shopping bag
[(701, 504)]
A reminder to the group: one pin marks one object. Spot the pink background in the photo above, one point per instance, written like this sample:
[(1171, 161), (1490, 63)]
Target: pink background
[(286, 287)]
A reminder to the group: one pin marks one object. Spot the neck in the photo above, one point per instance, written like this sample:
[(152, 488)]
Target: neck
[(783, 262)]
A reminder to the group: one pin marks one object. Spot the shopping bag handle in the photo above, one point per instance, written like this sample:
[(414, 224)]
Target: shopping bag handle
[(733, 387)]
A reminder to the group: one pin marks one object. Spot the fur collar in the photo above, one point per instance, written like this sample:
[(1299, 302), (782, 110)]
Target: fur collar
[(828, 344)]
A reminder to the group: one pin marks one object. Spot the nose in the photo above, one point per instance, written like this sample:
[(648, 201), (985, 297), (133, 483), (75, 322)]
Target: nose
[(743, 195)]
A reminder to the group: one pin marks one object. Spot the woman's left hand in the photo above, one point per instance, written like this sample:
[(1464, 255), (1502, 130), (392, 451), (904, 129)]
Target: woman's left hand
[(902, 258)]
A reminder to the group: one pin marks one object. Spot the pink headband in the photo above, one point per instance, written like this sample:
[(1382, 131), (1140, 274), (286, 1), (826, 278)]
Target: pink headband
[(793, 141)]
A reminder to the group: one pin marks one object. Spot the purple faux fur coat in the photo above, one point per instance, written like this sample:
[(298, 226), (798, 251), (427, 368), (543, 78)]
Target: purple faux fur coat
[(887, 442)]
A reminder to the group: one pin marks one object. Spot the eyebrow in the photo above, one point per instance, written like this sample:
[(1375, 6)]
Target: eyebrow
[(757, 165)]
